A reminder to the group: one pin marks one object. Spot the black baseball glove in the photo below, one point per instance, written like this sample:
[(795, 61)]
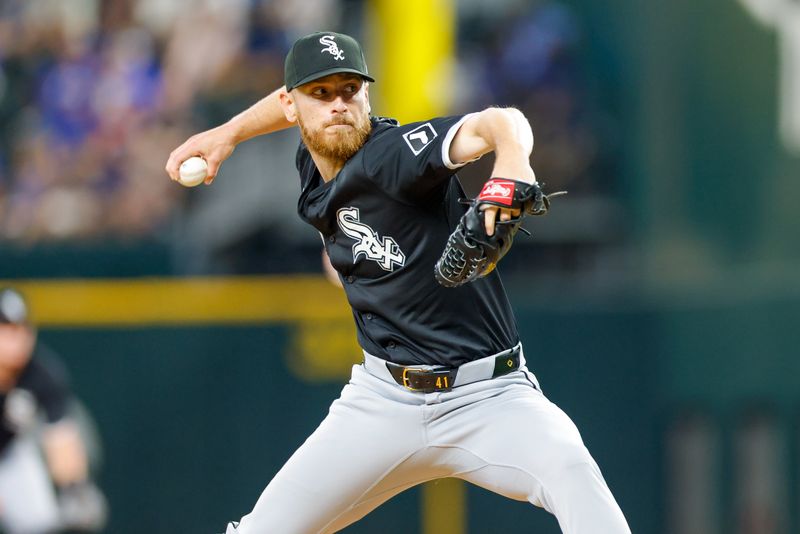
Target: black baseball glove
[(470, 253)]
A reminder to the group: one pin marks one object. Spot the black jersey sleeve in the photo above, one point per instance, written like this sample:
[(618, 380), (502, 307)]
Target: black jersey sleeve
[(46, 377), (412, 162)]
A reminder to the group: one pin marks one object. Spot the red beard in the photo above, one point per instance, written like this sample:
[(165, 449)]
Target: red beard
[(338, 147)]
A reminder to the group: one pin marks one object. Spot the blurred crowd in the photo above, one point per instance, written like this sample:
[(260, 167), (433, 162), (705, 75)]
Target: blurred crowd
[(532, 55), (91, 90)]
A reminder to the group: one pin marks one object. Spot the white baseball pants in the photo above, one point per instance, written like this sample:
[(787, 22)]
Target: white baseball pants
[(380, 439)]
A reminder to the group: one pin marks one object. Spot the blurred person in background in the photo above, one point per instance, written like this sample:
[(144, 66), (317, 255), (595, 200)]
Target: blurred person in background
[(45, 483)]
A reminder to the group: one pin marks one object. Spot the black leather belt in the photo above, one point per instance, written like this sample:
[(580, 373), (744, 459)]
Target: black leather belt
[(442, 379)]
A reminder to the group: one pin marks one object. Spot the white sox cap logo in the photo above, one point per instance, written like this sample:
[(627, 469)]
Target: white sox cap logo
[(385, 252), (331, 47)]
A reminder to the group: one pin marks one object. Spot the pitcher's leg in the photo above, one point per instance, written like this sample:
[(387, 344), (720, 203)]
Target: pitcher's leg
[(363, 438), (519, 444)]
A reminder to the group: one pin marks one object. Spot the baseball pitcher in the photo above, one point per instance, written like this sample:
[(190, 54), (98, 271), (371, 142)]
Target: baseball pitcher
[(443, 390)]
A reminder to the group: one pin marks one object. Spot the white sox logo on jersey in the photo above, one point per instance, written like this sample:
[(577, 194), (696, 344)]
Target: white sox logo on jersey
[(331, 47), (384, 251)]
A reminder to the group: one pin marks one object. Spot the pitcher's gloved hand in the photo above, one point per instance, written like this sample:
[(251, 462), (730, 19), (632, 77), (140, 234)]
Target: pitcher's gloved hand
[(470, 252)]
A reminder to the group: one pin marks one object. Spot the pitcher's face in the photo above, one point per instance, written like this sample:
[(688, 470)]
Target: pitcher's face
[(333, 115)]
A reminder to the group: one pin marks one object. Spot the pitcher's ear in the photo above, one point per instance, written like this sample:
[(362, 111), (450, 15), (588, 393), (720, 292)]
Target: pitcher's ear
[(288, 104)]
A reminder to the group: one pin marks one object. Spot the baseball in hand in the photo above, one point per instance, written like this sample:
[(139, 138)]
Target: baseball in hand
[(193, 171)]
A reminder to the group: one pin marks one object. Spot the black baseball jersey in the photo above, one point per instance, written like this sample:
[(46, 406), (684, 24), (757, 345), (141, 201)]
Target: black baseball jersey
[(40, 389), (385, 219)]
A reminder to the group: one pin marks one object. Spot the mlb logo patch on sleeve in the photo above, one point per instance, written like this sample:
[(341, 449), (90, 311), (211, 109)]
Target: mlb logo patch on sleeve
[(420, 137)]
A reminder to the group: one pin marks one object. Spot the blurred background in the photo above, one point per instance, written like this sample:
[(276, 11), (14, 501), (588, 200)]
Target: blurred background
[(659, 304)]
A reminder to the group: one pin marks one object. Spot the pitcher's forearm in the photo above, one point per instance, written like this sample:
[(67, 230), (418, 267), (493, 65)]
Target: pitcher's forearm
[(263, 117), (217, 144), (509, 134), (504, 131)]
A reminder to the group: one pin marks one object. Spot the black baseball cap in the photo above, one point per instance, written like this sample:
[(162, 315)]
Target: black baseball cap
[(13, 308), (321, 54)]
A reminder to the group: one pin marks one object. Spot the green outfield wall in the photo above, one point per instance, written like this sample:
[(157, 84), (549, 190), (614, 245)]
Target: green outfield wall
[(196, 417)]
